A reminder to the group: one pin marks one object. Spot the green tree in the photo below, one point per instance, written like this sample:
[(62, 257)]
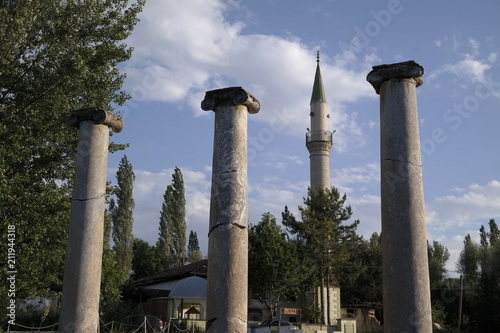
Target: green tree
[(164, 245), (325, 234), (361, 279), (145, 261), (122, 217), (275, 270), (171, 243), (468, 266), (488, 314), (193, 252), (55, 56), (468, 262), (479, 265), (179, 217), (438, 255), (111, 277)]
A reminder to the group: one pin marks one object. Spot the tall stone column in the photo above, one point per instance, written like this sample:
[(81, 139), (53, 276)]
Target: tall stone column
[(227, 283), (406, 286), (82, 270)]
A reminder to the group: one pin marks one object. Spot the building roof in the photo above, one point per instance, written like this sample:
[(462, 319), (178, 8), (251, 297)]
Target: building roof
[(191, 287), (198, 268), (318, 92)]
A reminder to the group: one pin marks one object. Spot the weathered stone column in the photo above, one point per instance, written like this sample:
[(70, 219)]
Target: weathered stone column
[(82, 270), (404, 242), (227, 282)]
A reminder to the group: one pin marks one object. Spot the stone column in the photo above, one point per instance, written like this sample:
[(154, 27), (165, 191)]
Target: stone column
[(82, 270), (406, 287), (227, 283)]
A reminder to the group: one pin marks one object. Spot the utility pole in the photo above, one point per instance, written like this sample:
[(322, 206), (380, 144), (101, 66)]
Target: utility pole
[(460, 303)]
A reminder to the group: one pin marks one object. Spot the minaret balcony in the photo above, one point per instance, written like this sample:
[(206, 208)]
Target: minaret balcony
[(319, 136)]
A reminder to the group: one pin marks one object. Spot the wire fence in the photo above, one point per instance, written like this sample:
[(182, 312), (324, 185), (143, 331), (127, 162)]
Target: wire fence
[(115, 327), (32, 329)]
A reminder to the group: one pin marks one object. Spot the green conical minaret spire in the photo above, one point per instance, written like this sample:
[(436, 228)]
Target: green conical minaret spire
[(318, 93)]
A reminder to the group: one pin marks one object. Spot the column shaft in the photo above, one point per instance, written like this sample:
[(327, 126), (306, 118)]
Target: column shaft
[(82, 270), (406, 286), (227, 285)]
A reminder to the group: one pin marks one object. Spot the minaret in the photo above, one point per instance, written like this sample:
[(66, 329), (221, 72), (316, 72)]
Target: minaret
[(318, 138)]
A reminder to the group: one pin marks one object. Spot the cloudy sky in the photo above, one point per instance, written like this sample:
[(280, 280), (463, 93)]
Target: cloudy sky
[(184, 48)]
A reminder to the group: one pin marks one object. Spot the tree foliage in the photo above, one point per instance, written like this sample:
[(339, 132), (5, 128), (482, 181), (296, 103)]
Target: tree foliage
[(122, 217), (55, 56), (111, 277), (193, 251), (145, 261), (171, 243), (164, 245), (322, 227), (277, 271), (479, 265), (324, 232), (361, 279), (438, 255)]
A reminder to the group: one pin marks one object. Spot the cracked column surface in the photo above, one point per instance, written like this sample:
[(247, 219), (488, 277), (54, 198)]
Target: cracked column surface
[(227, 280), (82, 269), (406, 287)]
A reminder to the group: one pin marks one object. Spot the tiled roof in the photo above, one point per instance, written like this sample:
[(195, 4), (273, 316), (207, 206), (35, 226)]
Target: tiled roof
[(198, 268)]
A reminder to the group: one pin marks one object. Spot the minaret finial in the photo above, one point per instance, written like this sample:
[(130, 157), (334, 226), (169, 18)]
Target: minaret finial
[(317, 56)]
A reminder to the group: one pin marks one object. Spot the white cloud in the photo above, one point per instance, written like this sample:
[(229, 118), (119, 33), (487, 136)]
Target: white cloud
[(183, 49), (451, 217), (148, 184), (475, 46), (366, 209), (279, 160), (492, 57), (469, 67), (362, 174), (473, 70), (268, 199), (477, 204)]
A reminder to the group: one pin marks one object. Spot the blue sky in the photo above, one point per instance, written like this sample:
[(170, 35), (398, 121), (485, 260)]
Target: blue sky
[(184, 48)]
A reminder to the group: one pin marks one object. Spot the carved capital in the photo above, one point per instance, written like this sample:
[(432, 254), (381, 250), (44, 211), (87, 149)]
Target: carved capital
[(235, 95), (409, 69), (97, 115)]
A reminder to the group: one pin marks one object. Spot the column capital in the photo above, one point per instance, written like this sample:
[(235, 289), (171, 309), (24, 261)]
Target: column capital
[(97, 115), (236, 95), (407, 69)]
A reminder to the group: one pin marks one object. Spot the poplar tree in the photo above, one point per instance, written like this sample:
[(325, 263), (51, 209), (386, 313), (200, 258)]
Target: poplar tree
[(179, 217), (55, 56), (171, 243), (164, 245), (193, 252), (122, 217)]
